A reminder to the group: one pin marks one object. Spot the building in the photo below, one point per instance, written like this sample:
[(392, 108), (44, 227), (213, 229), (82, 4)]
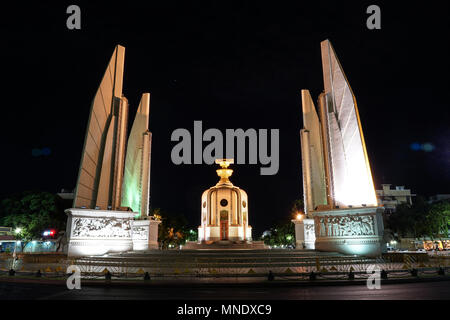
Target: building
[(439, 198), (66, 194), (390, 198), (7, 239), (224, 210), (6, 232)]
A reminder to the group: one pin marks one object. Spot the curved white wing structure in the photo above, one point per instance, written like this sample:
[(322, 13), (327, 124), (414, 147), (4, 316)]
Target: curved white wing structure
[(350, 177), (136, 182), (100, 177)]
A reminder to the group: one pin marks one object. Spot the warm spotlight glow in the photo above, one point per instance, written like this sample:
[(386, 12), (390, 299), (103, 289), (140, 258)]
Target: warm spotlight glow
[(356, 189), (299, 216)]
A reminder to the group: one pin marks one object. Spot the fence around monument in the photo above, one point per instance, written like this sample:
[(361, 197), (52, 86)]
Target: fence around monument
[(283, 265)]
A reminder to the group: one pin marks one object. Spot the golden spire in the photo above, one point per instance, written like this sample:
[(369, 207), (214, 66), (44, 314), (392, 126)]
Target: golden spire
[(224, 173)]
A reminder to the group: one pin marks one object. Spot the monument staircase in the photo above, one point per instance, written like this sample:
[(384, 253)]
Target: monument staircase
[(225, 245), (220, 262)]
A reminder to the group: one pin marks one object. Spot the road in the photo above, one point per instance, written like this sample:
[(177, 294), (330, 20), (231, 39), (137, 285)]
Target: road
[(408, 291)]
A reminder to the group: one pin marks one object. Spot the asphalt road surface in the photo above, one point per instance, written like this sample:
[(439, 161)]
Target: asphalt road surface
[(408, 291)]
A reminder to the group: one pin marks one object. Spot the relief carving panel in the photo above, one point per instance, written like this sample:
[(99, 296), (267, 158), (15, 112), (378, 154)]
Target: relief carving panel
[(101, 228), (140, 233), (344, 226)]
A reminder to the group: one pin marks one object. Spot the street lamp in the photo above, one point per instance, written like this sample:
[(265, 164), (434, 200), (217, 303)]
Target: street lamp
[(18, 230)]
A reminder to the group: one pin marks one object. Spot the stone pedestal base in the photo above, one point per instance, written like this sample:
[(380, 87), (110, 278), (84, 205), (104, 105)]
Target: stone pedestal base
[(304, 234), (97, 232), (235, 233), (225, 244), (145, 234), (350, 231)]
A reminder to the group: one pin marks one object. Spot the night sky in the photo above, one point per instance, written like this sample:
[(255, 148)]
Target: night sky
[(231, 66)]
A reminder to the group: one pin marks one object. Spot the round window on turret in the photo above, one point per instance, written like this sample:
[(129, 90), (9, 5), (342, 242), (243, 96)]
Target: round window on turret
[(204, 204), (244, 204), (223, 202)]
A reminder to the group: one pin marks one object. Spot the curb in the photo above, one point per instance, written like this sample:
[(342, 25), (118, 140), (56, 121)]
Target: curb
[(262, 283)]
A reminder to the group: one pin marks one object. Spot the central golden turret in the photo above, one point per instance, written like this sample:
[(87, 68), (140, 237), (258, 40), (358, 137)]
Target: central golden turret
[(224, 210), (224, 173)]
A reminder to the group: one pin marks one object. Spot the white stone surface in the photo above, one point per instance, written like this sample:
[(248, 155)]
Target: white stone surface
[(97, 232), (350, 180), (304, 234), (350, 231), (136, 181), (93, 189), (313, 162), (145, 234)]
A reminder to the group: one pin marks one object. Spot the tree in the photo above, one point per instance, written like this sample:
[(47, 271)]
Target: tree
[(438, 219), (192, 235), (174, 229), (409, 220), (282, 234), (420, 219), (32, 213)]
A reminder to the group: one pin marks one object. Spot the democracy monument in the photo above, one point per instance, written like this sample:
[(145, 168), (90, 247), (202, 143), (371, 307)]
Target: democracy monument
[(339, 194), (224, 210), (110, 213), (111, 204), (224, 216)]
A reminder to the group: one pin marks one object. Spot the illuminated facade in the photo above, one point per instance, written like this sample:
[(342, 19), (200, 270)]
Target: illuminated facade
[(112, 195), (224, 210), (339, 194)]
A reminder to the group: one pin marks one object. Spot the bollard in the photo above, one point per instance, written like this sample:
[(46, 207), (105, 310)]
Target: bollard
[(441, 271), (312, 276), (270, 277), (12, 272), (38, 274), (351, 275), (414, 272), (147, 276), (384, 274)]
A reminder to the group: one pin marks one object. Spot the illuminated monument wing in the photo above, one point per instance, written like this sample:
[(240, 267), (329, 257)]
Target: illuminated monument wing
[(313, 166), (101, 170), (339, 193), (350, 176), (136, 182), (110, 209)]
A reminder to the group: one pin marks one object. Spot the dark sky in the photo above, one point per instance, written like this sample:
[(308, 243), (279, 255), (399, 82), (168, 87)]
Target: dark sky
[(203, 61)]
